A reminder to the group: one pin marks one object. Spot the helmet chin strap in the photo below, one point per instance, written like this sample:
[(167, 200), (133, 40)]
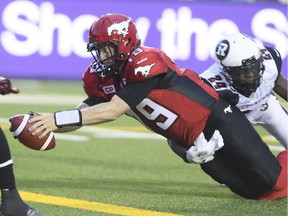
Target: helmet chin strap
[(245, 92), (112, 70)]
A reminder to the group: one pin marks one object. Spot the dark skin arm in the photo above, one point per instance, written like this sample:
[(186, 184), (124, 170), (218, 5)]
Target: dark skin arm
[(280, 83), (281, 86)]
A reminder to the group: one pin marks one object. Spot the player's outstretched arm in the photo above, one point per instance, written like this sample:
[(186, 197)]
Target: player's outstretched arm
[(108, 111)]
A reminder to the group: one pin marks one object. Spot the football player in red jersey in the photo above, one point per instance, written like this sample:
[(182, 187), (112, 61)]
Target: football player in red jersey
[(143, 82), (11, 204)]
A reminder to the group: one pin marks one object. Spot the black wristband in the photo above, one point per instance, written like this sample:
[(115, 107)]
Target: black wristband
[(68, 118)]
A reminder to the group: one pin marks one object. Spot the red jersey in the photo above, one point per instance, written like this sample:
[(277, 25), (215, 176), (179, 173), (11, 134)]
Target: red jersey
[(177, 107)]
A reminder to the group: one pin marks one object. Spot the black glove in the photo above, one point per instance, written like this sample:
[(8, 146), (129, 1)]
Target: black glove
[(6, 87)]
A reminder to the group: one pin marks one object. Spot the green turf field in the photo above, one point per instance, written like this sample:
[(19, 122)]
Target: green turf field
[(120, 164)]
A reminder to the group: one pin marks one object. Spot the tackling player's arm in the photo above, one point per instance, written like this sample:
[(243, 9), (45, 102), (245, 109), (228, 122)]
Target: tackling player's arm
[(280, 83), (225, 93), (281, 86)]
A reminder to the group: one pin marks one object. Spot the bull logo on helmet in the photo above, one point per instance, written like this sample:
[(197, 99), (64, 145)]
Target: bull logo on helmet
[(121, 28)]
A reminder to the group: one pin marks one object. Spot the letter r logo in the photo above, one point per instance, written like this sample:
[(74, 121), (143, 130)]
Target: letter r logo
[(222, 49)]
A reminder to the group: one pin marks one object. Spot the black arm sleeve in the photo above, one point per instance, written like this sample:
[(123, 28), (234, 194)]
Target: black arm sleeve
[(133, 94), (93, 100), (276, 56)]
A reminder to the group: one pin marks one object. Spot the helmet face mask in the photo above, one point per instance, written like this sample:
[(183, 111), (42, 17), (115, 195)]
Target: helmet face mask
[(108, 65), (247, 78), (241, 62), (113, 34)]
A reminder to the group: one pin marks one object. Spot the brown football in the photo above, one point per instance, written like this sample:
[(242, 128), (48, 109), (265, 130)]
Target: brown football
[(19, 127)]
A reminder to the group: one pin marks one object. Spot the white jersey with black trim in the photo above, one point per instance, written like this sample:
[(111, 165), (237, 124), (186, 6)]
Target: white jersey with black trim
[(257, 99), (262, 107)]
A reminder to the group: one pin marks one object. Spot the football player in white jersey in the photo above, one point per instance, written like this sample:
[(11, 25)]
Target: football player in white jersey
[(251, 73)]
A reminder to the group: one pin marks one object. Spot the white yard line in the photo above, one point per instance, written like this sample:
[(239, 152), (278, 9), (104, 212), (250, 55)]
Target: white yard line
[(276, 148), (69, 137), (107, 133), (102, 132), (43, 99)]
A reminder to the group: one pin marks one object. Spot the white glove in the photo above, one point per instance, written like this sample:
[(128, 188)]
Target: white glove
[(203, 151)]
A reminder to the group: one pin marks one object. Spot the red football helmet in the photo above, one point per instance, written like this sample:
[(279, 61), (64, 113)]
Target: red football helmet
[(116, 33)]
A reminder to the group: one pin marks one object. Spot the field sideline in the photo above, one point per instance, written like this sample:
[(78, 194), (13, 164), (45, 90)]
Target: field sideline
[(92, 206), (117, 168)]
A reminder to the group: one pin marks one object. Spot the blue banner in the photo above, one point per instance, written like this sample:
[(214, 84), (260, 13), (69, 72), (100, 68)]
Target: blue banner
[(47, 39)]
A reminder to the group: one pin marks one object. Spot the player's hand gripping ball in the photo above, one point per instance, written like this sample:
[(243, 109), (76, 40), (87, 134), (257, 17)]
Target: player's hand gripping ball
[(20, 129)]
